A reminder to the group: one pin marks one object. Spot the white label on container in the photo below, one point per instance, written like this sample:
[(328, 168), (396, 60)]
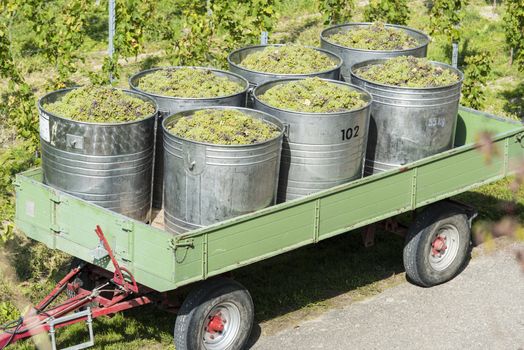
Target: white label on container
[(44, 127)]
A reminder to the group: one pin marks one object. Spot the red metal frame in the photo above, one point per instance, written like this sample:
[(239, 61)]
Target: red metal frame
[(215, 324), (118, 276), (36, 320), (438, 246)]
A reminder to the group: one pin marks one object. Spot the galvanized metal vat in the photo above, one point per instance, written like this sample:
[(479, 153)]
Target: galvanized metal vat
[(320, 150), (352, 56), (168, 105), (256, 78), (408, 124), (206, 183), (106, 164)]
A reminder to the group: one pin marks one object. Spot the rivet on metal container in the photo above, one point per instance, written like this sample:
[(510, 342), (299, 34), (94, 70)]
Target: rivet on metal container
[(315, 154), (206, 183), (109, 164), (169, 105), (351, 56), (408, 124)]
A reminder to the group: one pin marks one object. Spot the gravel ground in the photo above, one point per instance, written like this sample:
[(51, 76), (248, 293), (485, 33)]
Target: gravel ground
[(483, 308)]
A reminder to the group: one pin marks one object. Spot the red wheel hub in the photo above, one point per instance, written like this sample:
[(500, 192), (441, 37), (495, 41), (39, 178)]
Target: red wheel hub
[(216, 324), (438, 247)]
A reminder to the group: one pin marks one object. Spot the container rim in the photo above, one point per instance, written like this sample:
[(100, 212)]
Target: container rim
[(131, 92), (381, 60), (133, 80), (324, 37), (270, 119), (316, 114), (246, 48)]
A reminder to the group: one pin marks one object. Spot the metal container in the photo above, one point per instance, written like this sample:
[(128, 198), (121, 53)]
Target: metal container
[(206, 183), (256, 78), (168, 105), (352, 56), (320, 150), (408, 124), (107, 164)]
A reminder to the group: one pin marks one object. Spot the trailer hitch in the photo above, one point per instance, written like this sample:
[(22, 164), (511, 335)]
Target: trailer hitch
[(46, 317)]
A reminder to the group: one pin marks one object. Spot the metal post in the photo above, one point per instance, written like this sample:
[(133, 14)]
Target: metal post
[(263, 38), (112, 20), (52, 335), (454, 57)]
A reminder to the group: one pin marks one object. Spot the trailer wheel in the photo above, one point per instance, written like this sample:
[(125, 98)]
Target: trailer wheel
[(438, 245), (217, 315)]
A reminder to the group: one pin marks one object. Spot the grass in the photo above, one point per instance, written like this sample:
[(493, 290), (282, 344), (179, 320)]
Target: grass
[(296, 285)]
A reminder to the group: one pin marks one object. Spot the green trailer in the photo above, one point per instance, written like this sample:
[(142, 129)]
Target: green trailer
[(142, 262)]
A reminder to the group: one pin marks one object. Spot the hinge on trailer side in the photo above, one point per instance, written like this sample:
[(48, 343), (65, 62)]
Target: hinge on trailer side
[(126, 225), (175, 244), (186, 243), (54, 197), (57, 230), (519, 138)]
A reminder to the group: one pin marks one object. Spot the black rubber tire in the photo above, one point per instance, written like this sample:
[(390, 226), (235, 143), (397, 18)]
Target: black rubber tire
[(188, 334), (420, 236)]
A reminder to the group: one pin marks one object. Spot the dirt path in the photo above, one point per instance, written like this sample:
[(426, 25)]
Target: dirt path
[(483, 308)]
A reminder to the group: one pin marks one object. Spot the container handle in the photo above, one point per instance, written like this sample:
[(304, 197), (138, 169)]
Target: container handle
[(75, 141)]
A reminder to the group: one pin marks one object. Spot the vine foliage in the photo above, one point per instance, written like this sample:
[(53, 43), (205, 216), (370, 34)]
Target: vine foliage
[(17, 110), (476, 75), (513, 26), (58, 33), (336, 11), (445, 17), (388, 11), (210, 30)]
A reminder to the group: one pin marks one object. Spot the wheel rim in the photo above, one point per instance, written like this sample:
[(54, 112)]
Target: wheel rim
[(444, 247), (221, 326)]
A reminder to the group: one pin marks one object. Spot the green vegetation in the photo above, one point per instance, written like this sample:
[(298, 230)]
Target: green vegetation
[(313, 95), (476, 75), (446, 16), (336, 11), (204, 33), (95, 104), (189, 83), (389, 11), (408, 71), (223, 127), (513, 24), (288, 59), (374, 37)]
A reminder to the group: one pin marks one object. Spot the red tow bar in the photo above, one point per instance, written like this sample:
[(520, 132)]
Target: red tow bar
[(44, 316)]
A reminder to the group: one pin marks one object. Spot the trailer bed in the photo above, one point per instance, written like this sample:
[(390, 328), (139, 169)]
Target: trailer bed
[(163, 261)]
